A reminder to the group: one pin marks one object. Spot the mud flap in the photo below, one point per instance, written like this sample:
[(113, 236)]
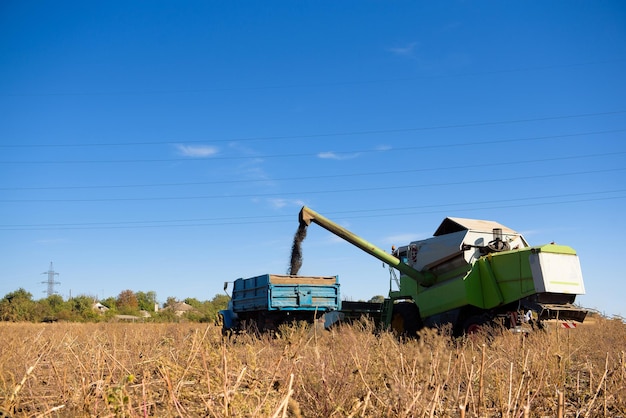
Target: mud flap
[(331, 318)]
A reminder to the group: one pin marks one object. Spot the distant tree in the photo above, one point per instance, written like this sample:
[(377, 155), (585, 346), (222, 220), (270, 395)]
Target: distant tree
[(110, 303), (127, 302), (377, 299), (55, 302), (206, 311), (17, 306), (171, 300), (194, 302), (220, 301), (166, 315), (82, 308), (67, 314), (146, 300), (19, 294), (201, 311), (49, 308)]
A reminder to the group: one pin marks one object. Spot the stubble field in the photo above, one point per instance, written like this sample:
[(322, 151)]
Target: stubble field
[(189, 370)]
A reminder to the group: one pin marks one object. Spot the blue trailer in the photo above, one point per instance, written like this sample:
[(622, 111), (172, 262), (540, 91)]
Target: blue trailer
[(265, 302)]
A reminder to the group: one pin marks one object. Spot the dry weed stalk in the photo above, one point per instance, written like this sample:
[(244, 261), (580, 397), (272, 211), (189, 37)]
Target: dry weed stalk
[(9, 404), (282, 408), (602, 380)]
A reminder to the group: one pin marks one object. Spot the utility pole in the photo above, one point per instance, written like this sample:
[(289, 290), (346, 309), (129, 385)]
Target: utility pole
[(50, 282)]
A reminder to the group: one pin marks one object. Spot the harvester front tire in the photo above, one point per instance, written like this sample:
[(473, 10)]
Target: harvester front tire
[(406, 320), (475, 324)]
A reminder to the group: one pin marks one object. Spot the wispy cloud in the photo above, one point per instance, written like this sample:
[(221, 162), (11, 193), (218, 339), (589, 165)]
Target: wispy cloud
[(405, 51), (254, 170), (51, 241), (329, 155), (253, 166), (278, 203), (197, 151)]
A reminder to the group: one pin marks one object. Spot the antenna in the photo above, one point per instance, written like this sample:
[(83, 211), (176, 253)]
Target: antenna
[(50, 282)]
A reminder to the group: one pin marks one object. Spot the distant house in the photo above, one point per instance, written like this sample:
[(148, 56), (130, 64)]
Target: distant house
[(97, 306), (179, 308)]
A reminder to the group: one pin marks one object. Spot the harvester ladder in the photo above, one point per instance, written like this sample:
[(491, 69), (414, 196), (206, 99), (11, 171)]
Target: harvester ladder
[(385, 313)]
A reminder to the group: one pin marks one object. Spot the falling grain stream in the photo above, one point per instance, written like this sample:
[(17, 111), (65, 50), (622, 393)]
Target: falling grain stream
[(296, 250)]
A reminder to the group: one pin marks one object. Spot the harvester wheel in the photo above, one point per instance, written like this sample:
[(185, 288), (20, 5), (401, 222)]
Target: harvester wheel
[(475, 324), (406, 319)]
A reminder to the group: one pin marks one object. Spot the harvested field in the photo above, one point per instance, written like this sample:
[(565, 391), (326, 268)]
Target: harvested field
[(188, 370)]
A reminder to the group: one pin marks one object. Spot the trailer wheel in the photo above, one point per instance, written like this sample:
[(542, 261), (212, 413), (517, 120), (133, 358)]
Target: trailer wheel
[(405, 319)]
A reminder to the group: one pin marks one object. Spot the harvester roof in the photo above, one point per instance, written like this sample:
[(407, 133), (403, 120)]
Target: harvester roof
[(450, 225)]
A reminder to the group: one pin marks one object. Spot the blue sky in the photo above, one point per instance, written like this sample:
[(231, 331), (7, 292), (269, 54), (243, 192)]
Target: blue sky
[(168, 146)]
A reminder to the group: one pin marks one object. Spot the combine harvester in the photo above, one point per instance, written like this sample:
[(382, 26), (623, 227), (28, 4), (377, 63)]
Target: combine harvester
[(470, 274)]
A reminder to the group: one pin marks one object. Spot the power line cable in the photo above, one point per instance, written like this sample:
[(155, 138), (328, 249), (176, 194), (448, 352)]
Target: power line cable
[(317, 177), (283, 193), (414, 210), (370, 212), (329, 134), (315, 154)]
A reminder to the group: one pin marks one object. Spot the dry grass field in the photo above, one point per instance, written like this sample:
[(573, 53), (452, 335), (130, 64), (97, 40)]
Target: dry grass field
[(189, 370)]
